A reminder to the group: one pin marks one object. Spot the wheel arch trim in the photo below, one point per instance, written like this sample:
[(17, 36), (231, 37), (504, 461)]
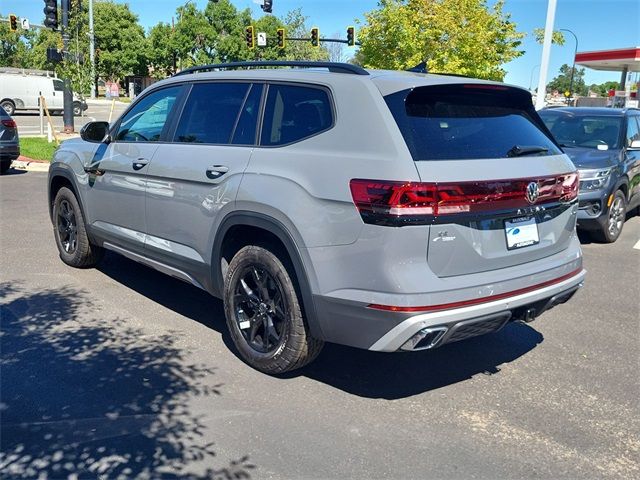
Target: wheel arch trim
[(272, 225)]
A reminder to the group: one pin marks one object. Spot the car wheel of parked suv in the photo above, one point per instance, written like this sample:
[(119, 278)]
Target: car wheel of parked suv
[(8, 106), (615, 220), (71, 236), (264, 314)]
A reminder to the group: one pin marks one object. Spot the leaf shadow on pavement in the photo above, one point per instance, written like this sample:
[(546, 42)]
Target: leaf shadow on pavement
[(84, 396), (359, 372)]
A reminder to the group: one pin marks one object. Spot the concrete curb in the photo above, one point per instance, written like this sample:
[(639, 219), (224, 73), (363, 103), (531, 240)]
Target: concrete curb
[(30, 165)]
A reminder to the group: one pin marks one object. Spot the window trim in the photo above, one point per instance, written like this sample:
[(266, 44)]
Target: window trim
[(316, 86), (168, 123)]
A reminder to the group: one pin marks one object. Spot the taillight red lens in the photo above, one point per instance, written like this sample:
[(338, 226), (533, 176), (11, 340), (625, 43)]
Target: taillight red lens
[(378, 200), (9, 123)]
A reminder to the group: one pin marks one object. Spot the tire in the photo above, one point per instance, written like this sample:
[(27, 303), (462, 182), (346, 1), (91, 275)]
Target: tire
[(260, 297), (616, 214), (4, 167), (74, 246), (77, 109), (8, 106)]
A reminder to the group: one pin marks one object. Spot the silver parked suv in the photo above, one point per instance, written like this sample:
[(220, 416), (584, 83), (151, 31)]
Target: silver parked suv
[(379, 209)]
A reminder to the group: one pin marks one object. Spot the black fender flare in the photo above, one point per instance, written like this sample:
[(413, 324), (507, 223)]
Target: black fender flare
[(275, 227), (58, 171)]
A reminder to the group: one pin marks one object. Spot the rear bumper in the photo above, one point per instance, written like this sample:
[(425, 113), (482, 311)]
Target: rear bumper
[(459, 323), (9, 152)]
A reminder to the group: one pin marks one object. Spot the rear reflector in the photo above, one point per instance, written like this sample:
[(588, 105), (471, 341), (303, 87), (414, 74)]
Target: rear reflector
[(9, 123), (475, 301), (380, 202)]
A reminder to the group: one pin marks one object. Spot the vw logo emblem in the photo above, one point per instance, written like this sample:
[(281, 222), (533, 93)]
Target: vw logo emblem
[(532, 193)]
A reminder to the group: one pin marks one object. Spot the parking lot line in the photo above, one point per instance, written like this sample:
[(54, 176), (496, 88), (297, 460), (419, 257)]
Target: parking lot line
[(637, 245)]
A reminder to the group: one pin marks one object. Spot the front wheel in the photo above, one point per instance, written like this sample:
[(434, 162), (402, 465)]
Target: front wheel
[(70, 234), (264, 315), (77, 109), (612, 229)]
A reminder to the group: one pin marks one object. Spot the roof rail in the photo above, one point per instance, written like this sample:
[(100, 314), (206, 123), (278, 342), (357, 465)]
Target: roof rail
[(335, 67)]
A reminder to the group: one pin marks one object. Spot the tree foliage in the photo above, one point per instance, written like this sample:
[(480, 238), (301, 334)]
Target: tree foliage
[(119, 41), (562, 82), (557, 37), (602, 89), (456, 36)]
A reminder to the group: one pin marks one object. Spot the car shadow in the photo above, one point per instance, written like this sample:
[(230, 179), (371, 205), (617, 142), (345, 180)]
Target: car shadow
[(13, 171), (84, 395), (359, 372)]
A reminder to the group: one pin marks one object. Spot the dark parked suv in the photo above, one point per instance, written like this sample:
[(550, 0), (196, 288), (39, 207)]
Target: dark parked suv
[(378, 209), (604, 143)]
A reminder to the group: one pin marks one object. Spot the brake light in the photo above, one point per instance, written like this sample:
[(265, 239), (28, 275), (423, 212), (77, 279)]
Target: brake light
[(398, 203), (9, 123)]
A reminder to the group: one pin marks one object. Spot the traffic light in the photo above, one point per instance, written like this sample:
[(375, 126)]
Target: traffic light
[(281, 38), (267, 6), (351, 36), (315, 37), (51, 14), (13, 22), (249, 36)]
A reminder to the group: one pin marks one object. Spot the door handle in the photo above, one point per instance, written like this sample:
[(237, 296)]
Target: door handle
[(139, 163), (216, 171)]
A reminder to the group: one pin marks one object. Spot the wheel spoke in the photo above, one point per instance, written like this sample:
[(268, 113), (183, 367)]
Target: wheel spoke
[(250, 294)]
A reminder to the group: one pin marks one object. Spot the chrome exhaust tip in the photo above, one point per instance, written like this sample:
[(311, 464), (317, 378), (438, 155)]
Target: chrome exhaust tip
[(425, 339)]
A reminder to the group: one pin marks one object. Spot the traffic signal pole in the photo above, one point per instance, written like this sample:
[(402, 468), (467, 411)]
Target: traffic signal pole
[(67, 94)]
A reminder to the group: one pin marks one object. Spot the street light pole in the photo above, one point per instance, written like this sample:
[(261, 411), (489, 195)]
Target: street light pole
[(92, 52), (67, 95), (573, 68), (546, 53)]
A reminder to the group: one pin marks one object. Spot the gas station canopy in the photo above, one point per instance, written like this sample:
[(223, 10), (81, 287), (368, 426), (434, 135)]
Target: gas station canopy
[(619, 60)]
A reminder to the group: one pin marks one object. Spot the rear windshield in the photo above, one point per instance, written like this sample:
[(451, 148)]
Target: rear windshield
[(452, 122), (588, 131)]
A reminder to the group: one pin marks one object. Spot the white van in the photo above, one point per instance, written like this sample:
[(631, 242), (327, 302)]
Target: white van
[(21, 89)]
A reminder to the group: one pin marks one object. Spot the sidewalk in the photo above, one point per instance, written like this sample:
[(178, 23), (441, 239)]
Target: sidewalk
[(30, 165)]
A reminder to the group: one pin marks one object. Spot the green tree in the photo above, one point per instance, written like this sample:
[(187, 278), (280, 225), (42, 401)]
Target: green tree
[(119, 40), (562, 82), (15, 47), (556, 37), (456, 36), (603, 89)]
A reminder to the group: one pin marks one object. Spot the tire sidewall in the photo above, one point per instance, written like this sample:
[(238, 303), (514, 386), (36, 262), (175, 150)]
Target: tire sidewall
[(262, 258)]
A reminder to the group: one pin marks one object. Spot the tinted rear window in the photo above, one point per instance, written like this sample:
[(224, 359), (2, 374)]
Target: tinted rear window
[(587, 131), (452, 122), (293, 113)]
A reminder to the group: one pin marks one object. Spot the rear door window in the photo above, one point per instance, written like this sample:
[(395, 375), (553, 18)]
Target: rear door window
[(633, 130), (293, 113), (211, 112), (474, 121)]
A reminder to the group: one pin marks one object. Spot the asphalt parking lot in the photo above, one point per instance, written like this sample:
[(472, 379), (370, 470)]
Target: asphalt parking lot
[(29, 121), (122, 371)]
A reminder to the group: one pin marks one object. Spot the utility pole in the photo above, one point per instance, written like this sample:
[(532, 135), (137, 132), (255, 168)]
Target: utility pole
[(67, 117), (92, 51), (546, 53)]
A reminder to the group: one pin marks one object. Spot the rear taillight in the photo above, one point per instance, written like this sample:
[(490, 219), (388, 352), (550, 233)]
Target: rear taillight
[(9, 123), (400, 203)]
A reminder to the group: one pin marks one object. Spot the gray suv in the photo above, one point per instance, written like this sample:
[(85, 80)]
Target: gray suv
[(379, 209)]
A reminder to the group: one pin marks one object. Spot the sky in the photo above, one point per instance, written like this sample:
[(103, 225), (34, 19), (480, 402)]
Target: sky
[(598, 25)]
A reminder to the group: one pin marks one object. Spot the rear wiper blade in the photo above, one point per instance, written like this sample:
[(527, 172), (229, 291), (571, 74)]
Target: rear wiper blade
[(520, 150)]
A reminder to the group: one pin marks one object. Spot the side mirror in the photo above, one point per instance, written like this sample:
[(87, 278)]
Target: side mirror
[(635, 145), (95, 132)]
